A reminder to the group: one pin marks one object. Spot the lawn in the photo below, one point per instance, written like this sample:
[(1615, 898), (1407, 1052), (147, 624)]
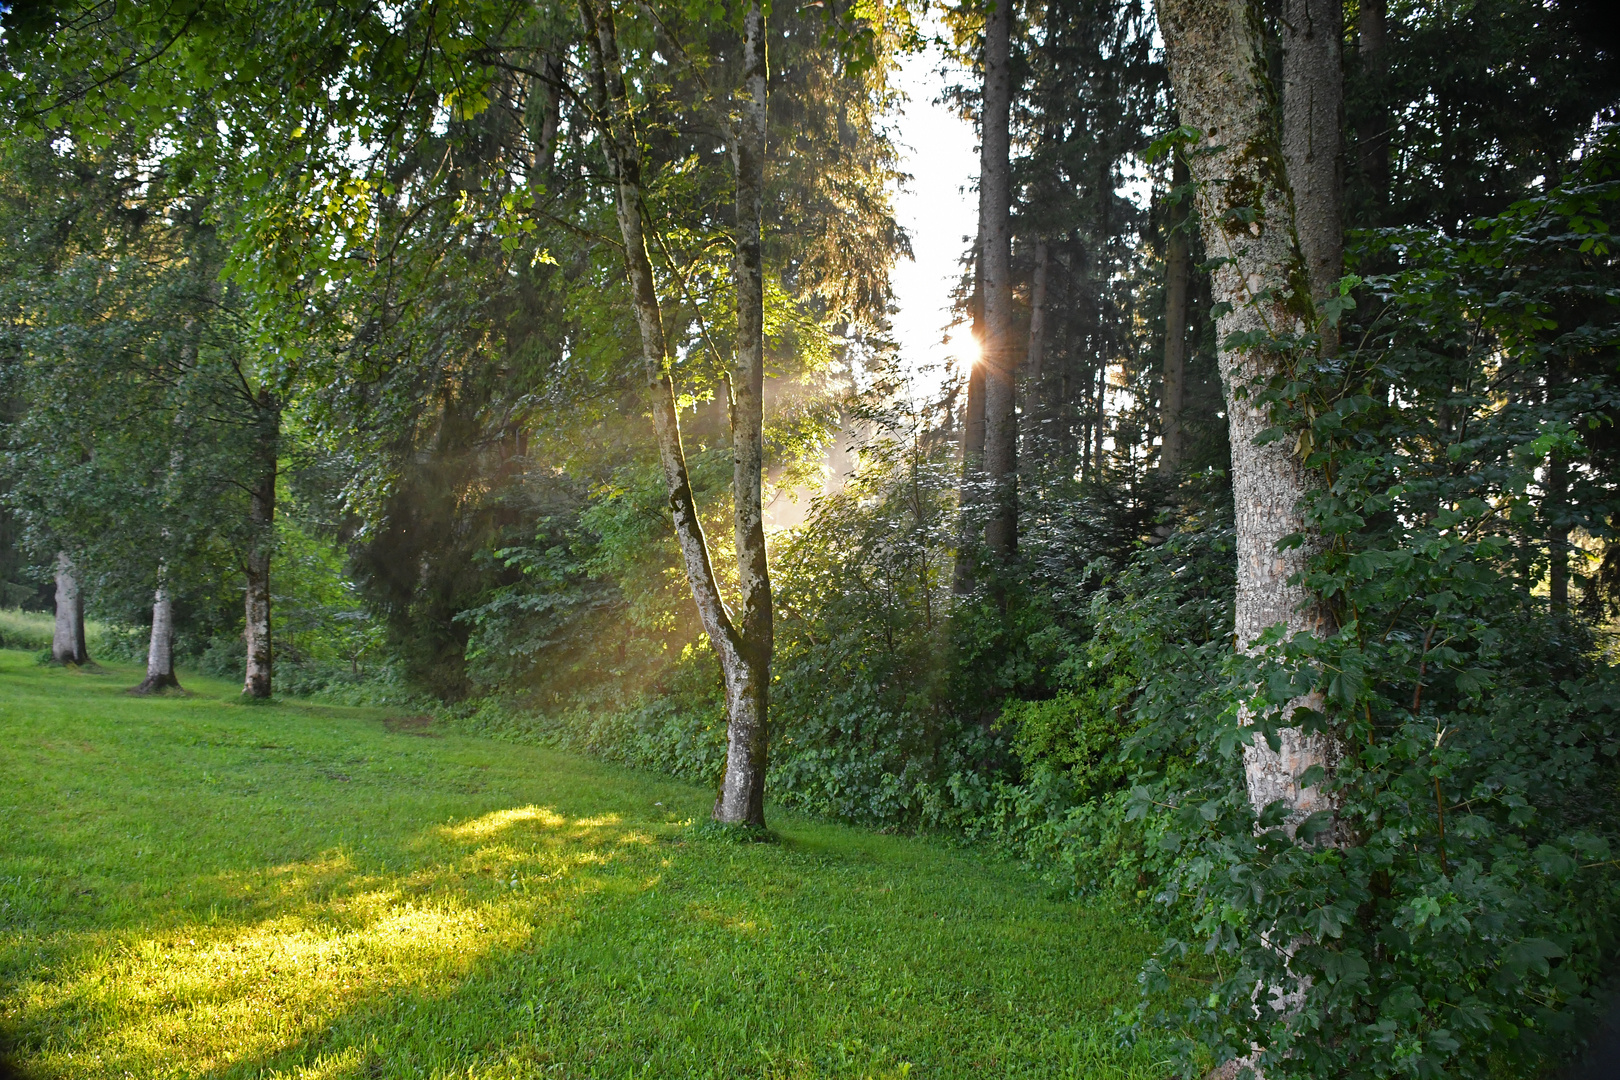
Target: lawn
[(196, 887)]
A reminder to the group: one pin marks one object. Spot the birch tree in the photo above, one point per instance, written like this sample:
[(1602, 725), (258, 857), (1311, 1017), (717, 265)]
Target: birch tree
[(67, 641), (259, 538), (160, 646), (741, 641), (1217, 59)]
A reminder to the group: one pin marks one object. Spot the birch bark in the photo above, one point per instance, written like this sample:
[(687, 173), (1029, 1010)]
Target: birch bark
[(160, 648), (257, 679), (67, 640), (742, 790), (1218, 70), (741, 798)]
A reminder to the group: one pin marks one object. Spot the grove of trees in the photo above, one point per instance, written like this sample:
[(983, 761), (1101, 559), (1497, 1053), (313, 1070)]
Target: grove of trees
[(530, 362)]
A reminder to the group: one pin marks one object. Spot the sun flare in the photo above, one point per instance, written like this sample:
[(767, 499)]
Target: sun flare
[(965, 351)]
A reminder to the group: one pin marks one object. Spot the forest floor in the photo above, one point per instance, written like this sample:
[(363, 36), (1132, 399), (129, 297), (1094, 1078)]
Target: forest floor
[(195, 887)]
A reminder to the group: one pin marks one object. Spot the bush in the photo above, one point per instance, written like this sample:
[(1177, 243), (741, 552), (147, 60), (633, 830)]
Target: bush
[(1457, 912)]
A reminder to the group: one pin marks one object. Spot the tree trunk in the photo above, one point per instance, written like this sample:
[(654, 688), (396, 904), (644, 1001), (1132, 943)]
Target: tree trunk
[(1218, 69), (1217, 61), (1372, 133), (1034, 368), (1555, 502), (1062, 405), (67, 642), (1099, 408), (257, 681), (1177, 283), (1000, 355), (160, 650), (973, 424), (963, 576), (551, 117), (742, 791), (1313, 112), (745, 690), (1557, 510)]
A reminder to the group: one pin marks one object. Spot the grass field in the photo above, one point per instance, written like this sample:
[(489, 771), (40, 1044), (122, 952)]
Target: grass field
[(197, 887), (32, 630)]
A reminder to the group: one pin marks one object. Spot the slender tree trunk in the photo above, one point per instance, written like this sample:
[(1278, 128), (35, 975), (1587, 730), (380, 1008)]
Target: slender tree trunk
[(160, 650), (1555, 505), (1034, 369), (973, 420), (1063, 405), (742, 790), (1218, 69), (551, 117), (1313, 120), (973, 424), (257, 682), (1177, 283), (1099, 406), (1372, 134), (745, 700), (1558, 547), (963, 573), (67, 642), (1000, 354)]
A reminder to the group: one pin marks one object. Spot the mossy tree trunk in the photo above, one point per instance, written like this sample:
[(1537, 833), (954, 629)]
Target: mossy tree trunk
[(1217, 62)]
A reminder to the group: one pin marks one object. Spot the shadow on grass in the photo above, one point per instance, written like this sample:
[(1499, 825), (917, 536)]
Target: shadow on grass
[(204, 890), (285, 953)]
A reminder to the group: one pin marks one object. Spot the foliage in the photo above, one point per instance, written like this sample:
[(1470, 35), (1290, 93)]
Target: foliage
[(1459, 914), (386, 235)]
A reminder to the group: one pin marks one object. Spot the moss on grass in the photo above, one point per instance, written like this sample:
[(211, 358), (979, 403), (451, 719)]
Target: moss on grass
[(193, 888)]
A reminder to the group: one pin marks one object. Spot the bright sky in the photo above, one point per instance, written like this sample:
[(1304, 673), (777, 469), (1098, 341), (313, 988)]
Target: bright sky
[(939, 209)]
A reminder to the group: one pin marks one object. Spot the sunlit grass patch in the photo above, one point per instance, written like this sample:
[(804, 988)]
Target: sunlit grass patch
[(193, 888), (501, 820)]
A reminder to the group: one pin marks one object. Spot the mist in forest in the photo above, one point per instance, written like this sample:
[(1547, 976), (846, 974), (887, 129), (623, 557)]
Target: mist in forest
[(1172, 444)]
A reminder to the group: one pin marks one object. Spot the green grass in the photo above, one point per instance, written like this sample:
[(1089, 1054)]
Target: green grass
[(194, 887), (32, 630)]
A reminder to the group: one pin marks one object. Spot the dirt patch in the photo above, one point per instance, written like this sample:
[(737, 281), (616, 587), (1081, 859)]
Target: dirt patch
[(420, 726)]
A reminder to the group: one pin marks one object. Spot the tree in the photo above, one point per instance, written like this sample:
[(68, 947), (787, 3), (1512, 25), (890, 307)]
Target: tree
[(1217, 57), (998, 347), (742, 789), (160, 647), (1177, 286), (1312, 121), (743, 648), (140, 430), (67, 643)]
